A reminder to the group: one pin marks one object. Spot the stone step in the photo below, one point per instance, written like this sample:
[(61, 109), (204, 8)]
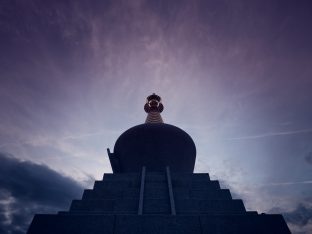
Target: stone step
[(155, 177), (156, 184), (220, 194), (190, 176), (184, 206), (213, 194), (122, 176), (156, 206), (200, 184), (158, 224), (110, 206), (93, 205), (122, 185), (73, 224), (111, 193), (156, 193)]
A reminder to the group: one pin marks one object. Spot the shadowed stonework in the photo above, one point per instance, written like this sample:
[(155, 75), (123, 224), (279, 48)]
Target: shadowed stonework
[(153, 190)]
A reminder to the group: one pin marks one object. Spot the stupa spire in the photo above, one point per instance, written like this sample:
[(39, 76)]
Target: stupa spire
[(153, 107)]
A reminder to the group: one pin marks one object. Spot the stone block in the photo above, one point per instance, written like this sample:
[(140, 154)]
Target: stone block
[(213, 184), (160, 224), (155, 177), (243, 224), (156, 193), (196, 184), (156, 206), (190, 176), (105, 206), (122, 185), (103, 194), (131, 193), (73, 224), (186, 206), (121, 176), (181, 193), (217, 194), (126, 206), (156, 185), (221, 206)]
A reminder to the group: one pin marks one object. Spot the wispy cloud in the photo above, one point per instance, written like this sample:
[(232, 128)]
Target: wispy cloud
[(290, 183), (84, 135), (47, 140), (272, 134)]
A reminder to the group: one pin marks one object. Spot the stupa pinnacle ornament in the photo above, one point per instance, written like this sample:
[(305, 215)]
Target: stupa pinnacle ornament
[(153, 108)]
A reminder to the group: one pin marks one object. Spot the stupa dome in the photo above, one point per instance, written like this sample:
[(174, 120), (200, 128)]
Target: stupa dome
[(155, 146)]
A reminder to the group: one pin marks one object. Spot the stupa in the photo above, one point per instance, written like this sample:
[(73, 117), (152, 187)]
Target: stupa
[(153, 190)]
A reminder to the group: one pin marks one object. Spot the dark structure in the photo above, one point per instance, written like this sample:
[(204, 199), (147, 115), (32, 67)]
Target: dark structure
[(153, 190)]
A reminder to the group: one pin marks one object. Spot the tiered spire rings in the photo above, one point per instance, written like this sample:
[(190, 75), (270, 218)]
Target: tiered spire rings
[(153, 108)]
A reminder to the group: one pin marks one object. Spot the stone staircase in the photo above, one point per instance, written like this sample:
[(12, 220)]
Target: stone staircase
[(157, 202)]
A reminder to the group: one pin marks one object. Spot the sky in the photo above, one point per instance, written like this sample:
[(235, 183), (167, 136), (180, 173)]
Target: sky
[(235, 75)]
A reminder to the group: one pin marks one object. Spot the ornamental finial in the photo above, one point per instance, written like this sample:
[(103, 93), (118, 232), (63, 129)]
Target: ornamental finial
[(153, 107)]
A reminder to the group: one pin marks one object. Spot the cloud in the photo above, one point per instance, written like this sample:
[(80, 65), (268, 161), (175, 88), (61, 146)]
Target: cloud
[(299, 220), (300, 216), (270, 134), (289, 183), (28, 188)]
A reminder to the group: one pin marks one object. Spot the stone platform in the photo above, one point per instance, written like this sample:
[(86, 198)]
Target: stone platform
[(157, 202)]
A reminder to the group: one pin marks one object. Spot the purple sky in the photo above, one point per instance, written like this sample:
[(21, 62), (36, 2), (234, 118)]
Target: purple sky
[(236, 75)]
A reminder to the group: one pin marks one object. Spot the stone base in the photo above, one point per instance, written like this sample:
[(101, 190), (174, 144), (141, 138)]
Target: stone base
[(157, 224), (155, 203)]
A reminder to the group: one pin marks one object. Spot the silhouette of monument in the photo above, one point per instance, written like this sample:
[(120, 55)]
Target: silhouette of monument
[(153, 190)]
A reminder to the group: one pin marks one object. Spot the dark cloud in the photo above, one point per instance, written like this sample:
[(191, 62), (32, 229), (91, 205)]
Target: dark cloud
[(28, 188), (300, 216), (308, 158), (298, 219)]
